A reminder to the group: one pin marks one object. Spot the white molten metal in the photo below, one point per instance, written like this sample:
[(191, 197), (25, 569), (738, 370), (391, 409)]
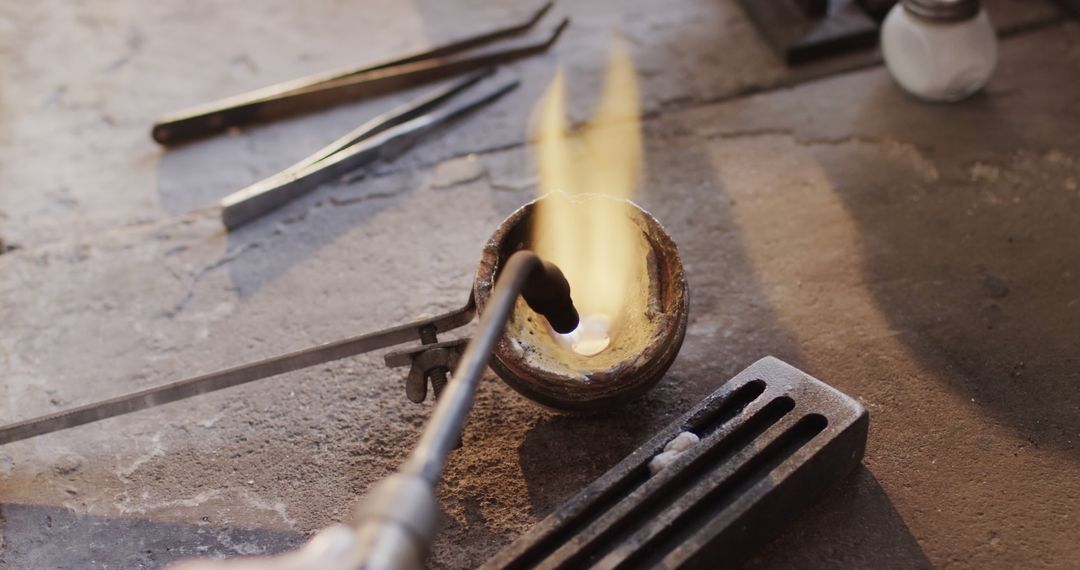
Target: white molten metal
[(591, 336)]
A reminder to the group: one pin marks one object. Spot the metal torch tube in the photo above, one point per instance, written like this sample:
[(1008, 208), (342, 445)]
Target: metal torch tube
[(444, 429), (396, 521)]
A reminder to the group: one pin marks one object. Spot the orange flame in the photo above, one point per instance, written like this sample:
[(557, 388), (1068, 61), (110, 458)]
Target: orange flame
[(593, 241)]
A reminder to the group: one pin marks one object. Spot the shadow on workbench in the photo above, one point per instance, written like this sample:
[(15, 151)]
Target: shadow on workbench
[(854, 525), (979, 269), (199, 174), (37, 536), (590, 444)]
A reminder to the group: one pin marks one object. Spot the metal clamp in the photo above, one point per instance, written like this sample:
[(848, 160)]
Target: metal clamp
[(429, 362)]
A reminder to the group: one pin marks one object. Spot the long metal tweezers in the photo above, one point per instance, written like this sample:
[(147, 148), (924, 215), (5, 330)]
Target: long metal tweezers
[(381, 137), (330, 88)]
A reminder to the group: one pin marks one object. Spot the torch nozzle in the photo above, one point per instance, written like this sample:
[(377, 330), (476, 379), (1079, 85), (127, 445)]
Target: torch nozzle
[(547, 292)]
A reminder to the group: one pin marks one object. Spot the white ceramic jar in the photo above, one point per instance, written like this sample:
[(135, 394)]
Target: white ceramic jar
[(939, 50)]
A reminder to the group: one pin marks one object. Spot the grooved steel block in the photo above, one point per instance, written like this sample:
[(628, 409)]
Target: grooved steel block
[(772, 439)]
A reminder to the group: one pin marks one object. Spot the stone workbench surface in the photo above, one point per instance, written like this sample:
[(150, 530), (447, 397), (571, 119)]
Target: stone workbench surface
[(924, 259)]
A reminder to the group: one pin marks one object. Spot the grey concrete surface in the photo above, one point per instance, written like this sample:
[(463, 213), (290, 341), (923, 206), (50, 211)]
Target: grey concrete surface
[(922, 258), (82, 82)]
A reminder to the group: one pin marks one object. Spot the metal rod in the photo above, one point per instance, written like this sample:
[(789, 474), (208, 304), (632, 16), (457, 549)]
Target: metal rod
[(327, 89), (230, 377)]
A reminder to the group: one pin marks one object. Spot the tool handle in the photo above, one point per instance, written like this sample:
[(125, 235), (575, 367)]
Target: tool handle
[(272, 193), (276, 103)]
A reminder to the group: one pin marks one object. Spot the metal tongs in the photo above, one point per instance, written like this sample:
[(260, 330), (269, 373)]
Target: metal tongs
[(330, 88), (384, 136), (381, 137)]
